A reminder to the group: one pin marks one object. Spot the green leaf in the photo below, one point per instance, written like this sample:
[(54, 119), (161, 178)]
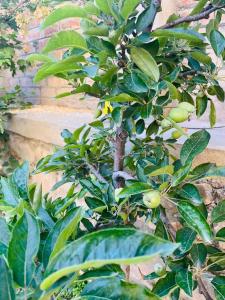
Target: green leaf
[(184, 281), (65, 39), (60, 233), (185, 236), (190, 192), (147, 17), (180, 175), (11, 195), (62, 13), (105, 271), (194, 145), (134, 189), (220, 235), (115, 288), (20, 178), (212, 114), (23, 249), (156, 171), (198, 254), (4, 237), (217, 41), (103, 6), (201, 57), (65, 65), (110, 246), (145, 62), (128, 7), (121, 98), (173, 90), (218, 284), (164, 285), (180, 33), (195, 220), (39, 57), (218, 213), (6, 281)]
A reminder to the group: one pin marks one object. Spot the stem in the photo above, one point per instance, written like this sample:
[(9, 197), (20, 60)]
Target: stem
[(120, 142), (203, 290), (203, 15), (96, 172)]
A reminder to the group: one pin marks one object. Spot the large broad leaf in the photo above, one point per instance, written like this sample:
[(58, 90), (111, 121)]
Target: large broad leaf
[(7, 291), (128, 7), (68, 64), (180, 33), (103, 6), (217, 41), (195, 220), (198, 254), (65, 39), (144, 60), (39, 57), (60, 233), (23, 249), (20, 178), (115, 245), (193, 146), (115, 288), (4, 237), (105, 271), (64, 12), (185, 236), (218, 213), (190, 191), (184, 281), (134, 189), (10, 193), (218, 283), (147, 17), (165, 285)]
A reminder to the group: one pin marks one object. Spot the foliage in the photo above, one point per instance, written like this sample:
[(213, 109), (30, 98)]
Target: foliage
[(148, 82)]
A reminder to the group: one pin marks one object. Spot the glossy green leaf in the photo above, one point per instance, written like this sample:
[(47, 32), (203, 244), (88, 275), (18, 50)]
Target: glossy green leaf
[(23, 249), (128, 7), (7, 291), (11, 195), (180, 33), (193, 146), (195, 220), (115, 288), (60, 233), (184, 281), (65, 39), (169, 170), (212, 114), (20, 178), (39, 57), (104, 272), (217, 41), (218, 284), (4, 237), (147, 17), (164, 285), (103, 6), (62, 13), (180, 175), (201, 57), (134, 189), (220, 235), (185, 236), (218, 213), (68, 64), (190, 192), (145, 62), (198, 254), (127, 246)]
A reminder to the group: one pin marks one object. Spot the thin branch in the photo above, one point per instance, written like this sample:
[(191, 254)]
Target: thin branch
[(94, 171), (122, 174), (203, 290), (188, 19)]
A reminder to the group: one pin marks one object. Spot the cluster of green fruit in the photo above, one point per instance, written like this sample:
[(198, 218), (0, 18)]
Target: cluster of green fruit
[(178, 114)]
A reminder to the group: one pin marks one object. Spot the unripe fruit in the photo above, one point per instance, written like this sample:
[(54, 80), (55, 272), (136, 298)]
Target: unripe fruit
[(200, 94), (165, 123), (152, 199), (188, 106), (176, 134), (178, 115)]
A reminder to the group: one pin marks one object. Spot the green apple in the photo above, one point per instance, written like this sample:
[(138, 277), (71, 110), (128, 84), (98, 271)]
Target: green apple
[(178, 114), (165, 123), (188, 106), (152, 199)]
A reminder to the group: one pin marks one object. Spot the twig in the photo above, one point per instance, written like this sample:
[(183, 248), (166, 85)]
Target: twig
[(96, 172), (188, 19), (203, 290)]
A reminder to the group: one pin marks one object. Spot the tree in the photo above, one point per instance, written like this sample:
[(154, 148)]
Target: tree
[(148, 81)]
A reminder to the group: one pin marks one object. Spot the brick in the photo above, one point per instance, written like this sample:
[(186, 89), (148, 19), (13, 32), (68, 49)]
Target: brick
[(47, 92), (56, 82)]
